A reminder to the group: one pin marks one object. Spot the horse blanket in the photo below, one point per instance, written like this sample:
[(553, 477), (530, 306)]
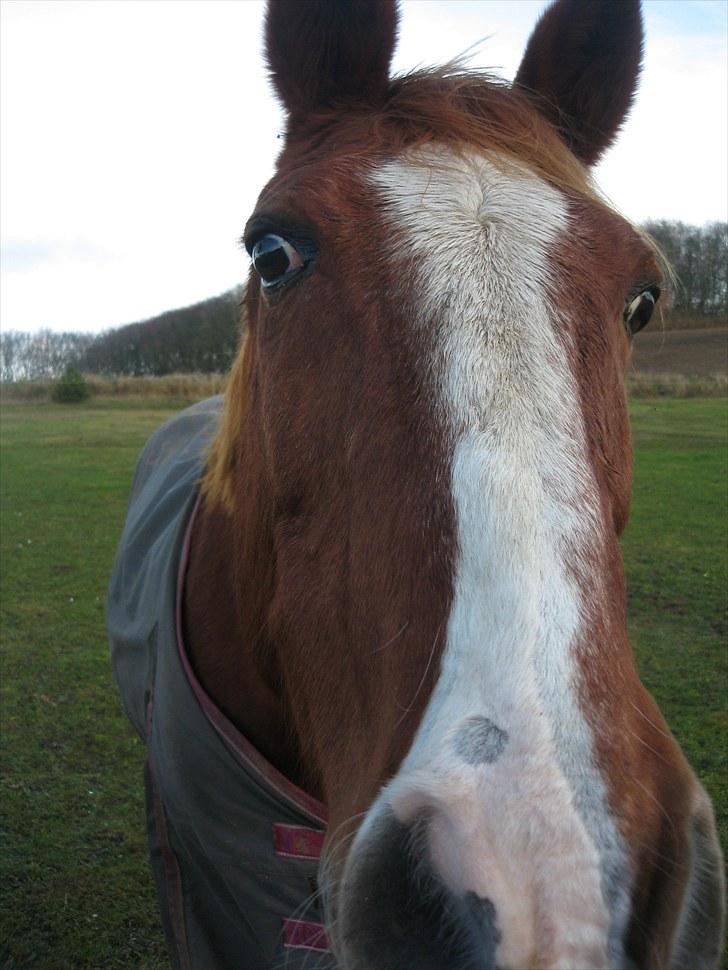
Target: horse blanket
[(234, 845)]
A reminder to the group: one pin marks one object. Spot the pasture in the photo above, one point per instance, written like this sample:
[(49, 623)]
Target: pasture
[(75, 883)]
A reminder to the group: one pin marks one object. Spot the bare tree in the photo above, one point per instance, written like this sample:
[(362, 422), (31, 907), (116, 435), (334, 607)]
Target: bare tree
[(699, 257)]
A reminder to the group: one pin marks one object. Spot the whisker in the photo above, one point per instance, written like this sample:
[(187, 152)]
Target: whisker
[(395, 637), (655, 855), (657, 728), (659, 804), (407, 710), (649, 747), (325, 886)]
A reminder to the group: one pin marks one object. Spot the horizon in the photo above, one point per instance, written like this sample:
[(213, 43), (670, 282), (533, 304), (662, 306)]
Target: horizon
[(124, 190)]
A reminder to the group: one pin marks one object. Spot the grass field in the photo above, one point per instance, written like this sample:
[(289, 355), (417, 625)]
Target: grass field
[(76, 892)]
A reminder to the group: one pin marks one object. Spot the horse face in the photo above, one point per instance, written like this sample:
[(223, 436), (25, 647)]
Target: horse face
[(438, 330)]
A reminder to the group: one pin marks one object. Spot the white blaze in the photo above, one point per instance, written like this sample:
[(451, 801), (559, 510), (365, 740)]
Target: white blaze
[(531, 830)]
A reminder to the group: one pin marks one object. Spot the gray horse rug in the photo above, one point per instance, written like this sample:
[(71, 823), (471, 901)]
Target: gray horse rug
[(234, 845)]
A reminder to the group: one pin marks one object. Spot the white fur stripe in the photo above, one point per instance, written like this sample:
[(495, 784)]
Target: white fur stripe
[(531, 830)]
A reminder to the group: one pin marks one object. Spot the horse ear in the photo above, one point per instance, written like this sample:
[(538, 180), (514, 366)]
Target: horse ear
[(324, 52), (583, 61)]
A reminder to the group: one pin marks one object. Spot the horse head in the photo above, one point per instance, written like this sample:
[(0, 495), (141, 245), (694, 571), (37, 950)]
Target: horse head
[(425, 465)]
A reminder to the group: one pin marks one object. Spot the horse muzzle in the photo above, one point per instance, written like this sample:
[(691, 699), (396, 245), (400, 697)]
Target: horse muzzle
[(395, 911), (433, 891)]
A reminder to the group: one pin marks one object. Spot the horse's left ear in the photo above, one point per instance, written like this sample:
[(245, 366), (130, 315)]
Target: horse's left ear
[(327, 52), (583, 61)]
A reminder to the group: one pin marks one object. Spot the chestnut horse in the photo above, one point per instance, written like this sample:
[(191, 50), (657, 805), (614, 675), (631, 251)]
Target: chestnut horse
[(404, 584)]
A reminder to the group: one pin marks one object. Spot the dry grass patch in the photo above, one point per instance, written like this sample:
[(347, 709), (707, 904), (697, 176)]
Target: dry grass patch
[(180, 387), (188, 388), (640, 385), (688, 320)]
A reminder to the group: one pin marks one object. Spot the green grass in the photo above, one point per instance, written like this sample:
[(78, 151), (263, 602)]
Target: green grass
[(76, 890), (676, 554)]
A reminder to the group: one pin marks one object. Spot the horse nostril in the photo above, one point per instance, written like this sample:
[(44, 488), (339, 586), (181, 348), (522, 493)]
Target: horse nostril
[(396, 913), (481, 913)]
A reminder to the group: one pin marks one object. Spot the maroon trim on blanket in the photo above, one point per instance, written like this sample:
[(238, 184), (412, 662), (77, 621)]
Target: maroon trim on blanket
[(299, 934), (297, 842), (172, 873), (226, 729)]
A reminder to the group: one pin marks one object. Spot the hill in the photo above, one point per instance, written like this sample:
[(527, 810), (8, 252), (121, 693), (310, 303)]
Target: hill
[(201, 338)]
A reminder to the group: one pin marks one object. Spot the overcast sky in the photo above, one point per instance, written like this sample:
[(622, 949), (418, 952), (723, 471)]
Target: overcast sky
[(136, 135)]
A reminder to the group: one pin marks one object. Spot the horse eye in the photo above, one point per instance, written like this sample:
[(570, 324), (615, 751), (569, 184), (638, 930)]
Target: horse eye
[(639, 310), (274, 259)]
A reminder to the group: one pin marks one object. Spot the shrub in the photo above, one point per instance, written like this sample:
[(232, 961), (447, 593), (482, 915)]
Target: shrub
[(70, 387)]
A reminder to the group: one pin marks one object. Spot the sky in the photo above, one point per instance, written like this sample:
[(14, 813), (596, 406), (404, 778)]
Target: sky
[(135, 136)]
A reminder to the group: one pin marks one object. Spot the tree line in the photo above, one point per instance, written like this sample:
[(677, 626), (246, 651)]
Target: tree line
[(201, 338), (44, 354), (204, 337), (699, 258)]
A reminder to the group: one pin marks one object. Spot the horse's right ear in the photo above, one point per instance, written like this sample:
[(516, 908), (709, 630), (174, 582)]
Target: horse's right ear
[(326, 52)]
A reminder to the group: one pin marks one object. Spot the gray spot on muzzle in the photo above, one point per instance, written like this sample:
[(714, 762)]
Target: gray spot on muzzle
[(479, 741)]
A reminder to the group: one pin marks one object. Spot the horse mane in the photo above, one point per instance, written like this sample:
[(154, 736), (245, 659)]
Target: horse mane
[(468, 109), (453, 105), (218, 482)]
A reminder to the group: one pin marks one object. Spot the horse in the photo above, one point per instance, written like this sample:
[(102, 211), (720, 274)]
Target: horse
[(397, 597)]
